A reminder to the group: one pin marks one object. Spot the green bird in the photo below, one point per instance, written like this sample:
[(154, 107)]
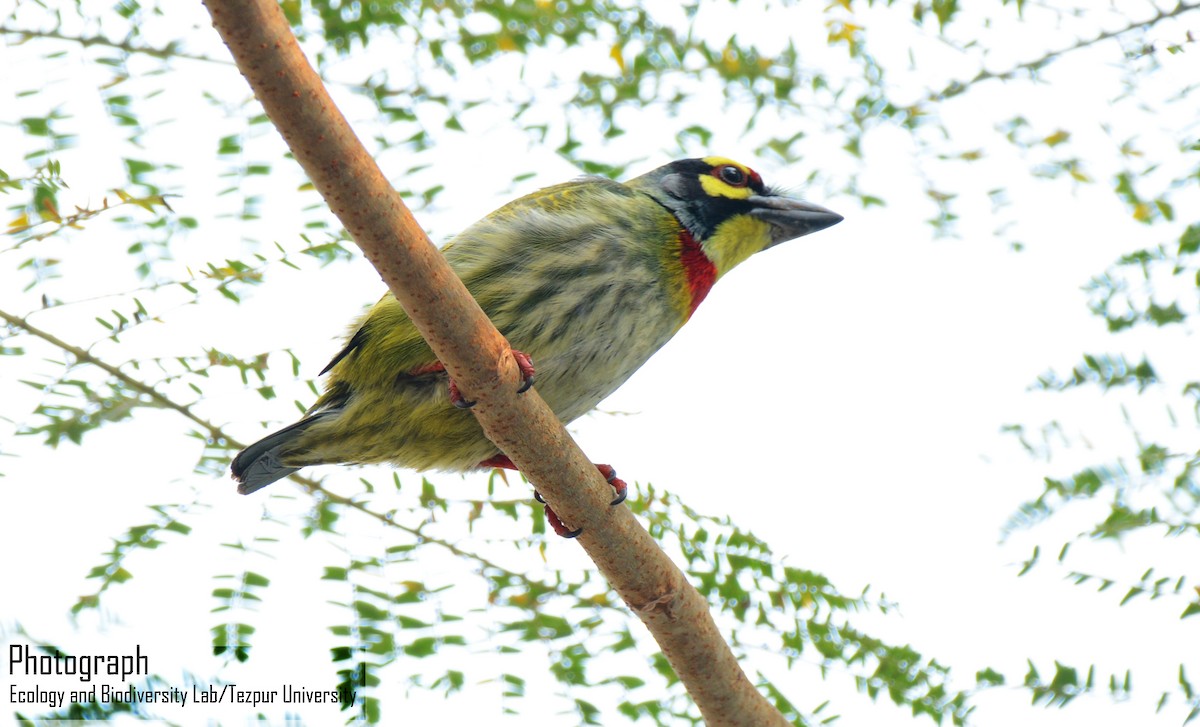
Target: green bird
[(588, 279)]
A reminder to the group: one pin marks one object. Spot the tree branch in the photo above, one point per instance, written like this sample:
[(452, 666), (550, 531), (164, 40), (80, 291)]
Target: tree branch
[(140, 386), (168, 53), (216, 432), (480, 360), (958, 87)]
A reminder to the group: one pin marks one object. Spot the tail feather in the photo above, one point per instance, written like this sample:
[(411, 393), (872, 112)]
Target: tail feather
[(259, 465)]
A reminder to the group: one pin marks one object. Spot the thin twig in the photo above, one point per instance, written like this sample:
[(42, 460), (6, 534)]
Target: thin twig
[(138, 386), (170, 52), (313, 486), (958, 87)]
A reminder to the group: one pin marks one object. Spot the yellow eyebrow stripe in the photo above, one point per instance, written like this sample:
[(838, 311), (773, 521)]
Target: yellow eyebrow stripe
[(721, 161), (714, 187)]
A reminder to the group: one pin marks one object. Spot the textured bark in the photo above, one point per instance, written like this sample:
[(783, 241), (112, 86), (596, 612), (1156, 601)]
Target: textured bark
[(479, 359)]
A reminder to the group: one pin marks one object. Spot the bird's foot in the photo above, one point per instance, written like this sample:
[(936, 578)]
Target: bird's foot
[(557, 525), (610, 475), (618, 484), (524, 365), (456, 397)]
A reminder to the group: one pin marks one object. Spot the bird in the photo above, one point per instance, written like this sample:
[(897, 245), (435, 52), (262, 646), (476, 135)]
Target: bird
[(585, 279)]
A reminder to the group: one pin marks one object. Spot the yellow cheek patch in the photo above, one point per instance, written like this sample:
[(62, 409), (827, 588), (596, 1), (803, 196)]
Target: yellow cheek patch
[(735, 240), (714, 187)]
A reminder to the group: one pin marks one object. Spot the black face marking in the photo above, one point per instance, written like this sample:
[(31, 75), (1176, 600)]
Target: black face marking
[(699, 212)]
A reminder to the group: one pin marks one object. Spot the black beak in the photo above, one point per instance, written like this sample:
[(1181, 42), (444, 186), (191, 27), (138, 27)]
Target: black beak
[(791, 218)]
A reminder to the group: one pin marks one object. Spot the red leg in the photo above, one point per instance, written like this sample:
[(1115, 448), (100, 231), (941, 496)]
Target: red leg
[(524, 365), (560, 529), (617, 483), (433, 368), (502, 461), (456, 397)]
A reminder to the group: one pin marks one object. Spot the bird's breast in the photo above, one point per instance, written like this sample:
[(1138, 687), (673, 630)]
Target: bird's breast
[(585, 345)]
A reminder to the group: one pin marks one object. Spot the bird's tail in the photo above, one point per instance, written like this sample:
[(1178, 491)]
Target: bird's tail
[(259, 465)]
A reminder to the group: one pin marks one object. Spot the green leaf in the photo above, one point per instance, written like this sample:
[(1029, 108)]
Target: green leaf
[(1189, 241), (1134, 592)]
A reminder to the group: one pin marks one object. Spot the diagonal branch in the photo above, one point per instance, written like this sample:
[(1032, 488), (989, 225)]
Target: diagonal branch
[(958, 87), (170, 52), (480, 360), (141, 387), (82, 355)]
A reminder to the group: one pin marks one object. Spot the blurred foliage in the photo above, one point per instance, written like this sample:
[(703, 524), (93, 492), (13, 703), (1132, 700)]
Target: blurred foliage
[(823, 91)]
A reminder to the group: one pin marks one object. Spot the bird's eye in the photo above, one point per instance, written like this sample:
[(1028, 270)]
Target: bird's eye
[(732, 176)]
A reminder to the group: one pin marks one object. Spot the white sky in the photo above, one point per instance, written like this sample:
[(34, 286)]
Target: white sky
[(841, 397)]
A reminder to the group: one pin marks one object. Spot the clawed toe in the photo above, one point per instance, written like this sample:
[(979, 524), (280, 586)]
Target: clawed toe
[(609, 473), (557, 524), (622, 491), (525, 366), (618, 484), (456, 397)]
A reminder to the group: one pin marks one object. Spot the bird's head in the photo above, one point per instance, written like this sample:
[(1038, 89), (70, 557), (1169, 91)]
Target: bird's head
[(728, 210)]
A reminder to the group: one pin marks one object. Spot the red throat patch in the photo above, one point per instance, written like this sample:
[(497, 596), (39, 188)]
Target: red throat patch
[(700, 271)]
